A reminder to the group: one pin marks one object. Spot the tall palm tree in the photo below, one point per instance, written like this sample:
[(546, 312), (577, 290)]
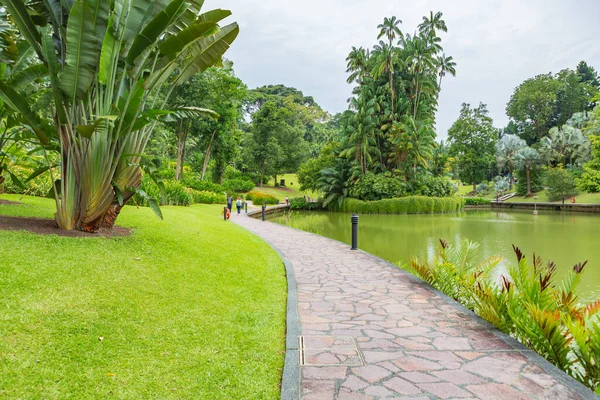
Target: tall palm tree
[(385, 64), (360, 134), (420, 62), (357, 63), (446, 65), (429, 25), (389, 28)]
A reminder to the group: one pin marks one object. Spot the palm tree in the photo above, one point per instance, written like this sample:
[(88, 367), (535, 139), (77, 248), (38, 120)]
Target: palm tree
[(360, 134), (429, 25), (446, 65), (357, 63), (389, 28), (507, 149), (527, 158), (385, 64), (420, 62), (335, 183)]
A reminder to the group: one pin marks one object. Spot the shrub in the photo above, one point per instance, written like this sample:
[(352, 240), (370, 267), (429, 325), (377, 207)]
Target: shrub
[(238, 185), (204, 197), (176, 194), (405, 205), (376, 187), (258, 198), (483, 188), (477, 201), (433, 186), (559, 183), (501, 185), (529, 304), (299, 203)]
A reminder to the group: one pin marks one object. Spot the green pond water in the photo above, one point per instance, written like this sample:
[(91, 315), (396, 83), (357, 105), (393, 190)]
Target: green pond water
[(565, 238)]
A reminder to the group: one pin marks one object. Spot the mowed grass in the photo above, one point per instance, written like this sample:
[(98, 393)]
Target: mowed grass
[(542, 197), (291, 190), (189, 307)]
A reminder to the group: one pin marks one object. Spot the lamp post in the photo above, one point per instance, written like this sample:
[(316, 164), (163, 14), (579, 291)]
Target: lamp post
[(354, 220)]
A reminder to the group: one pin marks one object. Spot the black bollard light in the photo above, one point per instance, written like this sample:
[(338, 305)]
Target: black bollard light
[(224, 213), (354, 220), (246, 206), (264, 211)]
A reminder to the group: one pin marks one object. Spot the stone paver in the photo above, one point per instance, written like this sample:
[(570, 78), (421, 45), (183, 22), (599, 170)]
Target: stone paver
[(373, 331)]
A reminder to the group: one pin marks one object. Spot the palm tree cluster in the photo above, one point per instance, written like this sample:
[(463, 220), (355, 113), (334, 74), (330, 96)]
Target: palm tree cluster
[(390, 124)]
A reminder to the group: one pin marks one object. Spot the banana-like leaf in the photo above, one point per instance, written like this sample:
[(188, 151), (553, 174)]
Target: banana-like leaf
[(28, 75), (16, 181), (129, 109), (176, 43), (88, 130), (18, 103), (151, 202), (132, 22), (155, 28), (82, 52), (53, 69), (214, 15), (37, 173), (190, 112), (207, 51), (23, 20), (108, 54), (100, 10)]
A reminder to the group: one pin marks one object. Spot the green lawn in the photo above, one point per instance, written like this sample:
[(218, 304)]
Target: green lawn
[(584, 198), (173, 311), (291, 190)]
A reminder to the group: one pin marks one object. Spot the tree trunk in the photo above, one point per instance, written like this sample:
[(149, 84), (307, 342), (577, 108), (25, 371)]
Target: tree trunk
[(275, 180), (207, 155), (475, 186), (262, 174), (512, 177), (528, 182)]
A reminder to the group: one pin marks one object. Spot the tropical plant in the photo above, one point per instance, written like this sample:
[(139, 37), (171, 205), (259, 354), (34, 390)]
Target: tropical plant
[(111, 67), (527, 159), (335, 184), (529, 304), (559, 184), (507, 149)]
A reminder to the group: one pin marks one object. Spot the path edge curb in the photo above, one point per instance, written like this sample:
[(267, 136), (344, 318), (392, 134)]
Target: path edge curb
[(290, 379)]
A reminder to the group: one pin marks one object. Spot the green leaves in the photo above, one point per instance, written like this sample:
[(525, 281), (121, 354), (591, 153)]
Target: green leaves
[(82, 52), (17, 102)]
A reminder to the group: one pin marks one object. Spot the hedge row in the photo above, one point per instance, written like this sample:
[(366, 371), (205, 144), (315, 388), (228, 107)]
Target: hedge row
[(405, 205), (477, 201), (176, 194), (258, 198)]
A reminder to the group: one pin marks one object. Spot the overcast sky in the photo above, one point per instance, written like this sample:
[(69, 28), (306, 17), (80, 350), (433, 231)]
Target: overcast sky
[(496, 43)]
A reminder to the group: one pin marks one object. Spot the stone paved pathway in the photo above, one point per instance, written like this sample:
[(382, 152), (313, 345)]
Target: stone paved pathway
[(372, 331)]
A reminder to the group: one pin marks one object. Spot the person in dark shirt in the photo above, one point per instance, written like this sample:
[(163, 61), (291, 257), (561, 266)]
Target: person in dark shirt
[(230, 203)]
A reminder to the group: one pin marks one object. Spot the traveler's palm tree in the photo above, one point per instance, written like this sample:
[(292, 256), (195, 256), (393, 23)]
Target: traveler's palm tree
[(112, 65)]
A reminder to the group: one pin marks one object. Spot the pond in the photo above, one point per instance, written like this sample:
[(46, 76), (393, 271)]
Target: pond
[(565, 238)]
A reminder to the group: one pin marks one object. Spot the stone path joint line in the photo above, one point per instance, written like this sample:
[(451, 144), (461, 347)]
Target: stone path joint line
[(372, 331)]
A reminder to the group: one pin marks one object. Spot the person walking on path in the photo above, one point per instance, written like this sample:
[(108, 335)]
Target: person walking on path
[(238, 204), (230, 203), (287, 200)]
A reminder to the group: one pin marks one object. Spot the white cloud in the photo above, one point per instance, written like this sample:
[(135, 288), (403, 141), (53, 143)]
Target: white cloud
[(496, 44)]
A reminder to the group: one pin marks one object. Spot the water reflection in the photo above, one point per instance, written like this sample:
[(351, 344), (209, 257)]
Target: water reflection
[(566, 238)]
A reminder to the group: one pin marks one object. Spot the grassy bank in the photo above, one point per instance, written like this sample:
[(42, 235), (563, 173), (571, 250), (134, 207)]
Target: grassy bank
[(173, 311), (291, 190)]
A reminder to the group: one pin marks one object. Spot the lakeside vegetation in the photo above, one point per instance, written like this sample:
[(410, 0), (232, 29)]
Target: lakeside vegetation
[(530, 304)]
